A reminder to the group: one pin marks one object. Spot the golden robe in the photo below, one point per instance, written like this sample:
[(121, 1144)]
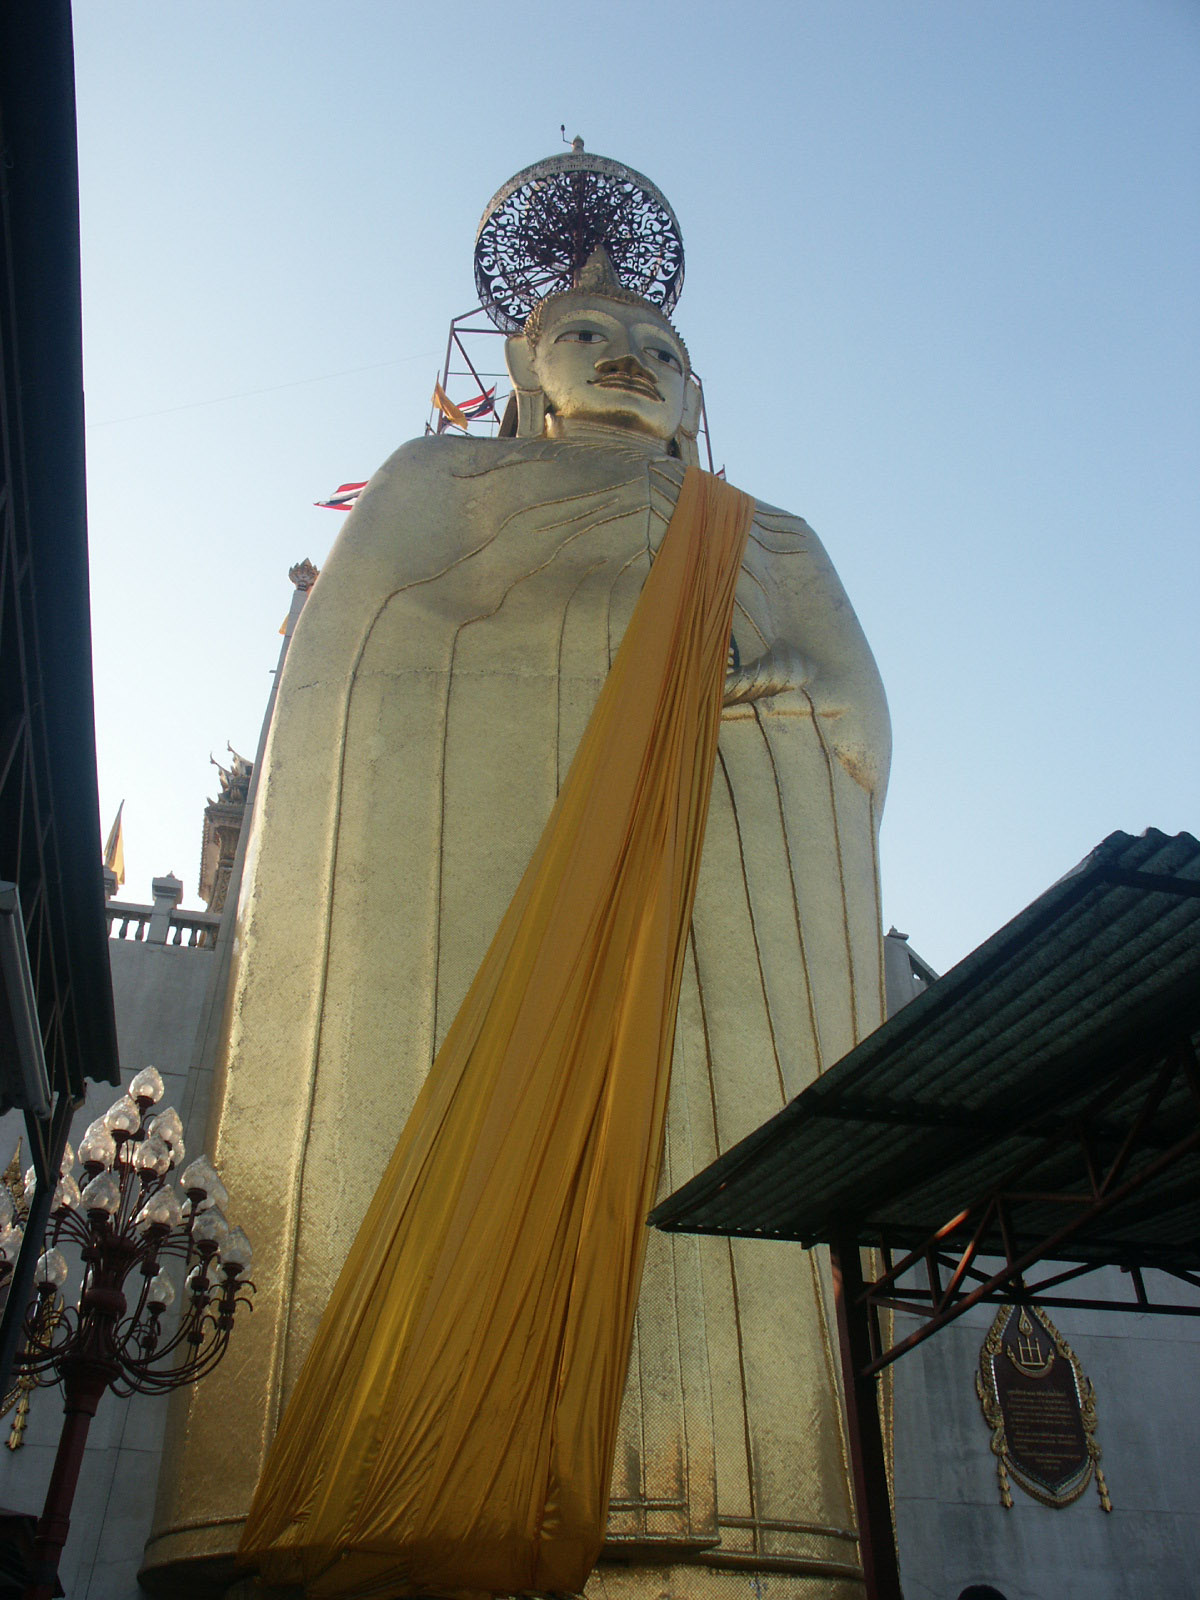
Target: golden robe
[(437, 685), (453, 1427)]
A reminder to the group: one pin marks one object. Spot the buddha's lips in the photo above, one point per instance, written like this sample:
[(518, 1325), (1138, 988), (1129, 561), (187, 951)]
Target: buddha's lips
[(626, 381)]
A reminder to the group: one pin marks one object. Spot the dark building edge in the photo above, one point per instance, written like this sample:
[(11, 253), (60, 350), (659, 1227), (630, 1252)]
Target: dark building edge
[(43, 501)]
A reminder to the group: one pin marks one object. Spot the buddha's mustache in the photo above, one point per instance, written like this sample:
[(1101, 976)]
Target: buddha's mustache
[(626, 372)]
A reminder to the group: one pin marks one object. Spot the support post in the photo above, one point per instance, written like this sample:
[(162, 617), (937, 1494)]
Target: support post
[(84, 1384), (876, 1538), (168, 892)]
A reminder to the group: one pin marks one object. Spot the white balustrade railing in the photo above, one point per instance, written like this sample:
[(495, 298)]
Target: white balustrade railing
[(163, 922)]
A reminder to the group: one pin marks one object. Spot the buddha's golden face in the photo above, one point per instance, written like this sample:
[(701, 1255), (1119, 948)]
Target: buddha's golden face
[(604, 361)]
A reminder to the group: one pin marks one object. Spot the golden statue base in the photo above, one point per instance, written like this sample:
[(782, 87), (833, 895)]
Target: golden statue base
[(721, 1579)]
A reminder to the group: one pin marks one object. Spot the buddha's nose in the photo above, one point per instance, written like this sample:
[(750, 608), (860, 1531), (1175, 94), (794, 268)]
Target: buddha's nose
[(627, 366)]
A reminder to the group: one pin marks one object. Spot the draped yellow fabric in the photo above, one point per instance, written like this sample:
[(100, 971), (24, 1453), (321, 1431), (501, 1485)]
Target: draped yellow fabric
[(453, 1429)]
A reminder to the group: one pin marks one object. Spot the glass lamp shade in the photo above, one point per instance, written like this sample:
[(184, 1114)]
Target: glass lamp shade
[(167, 1126), (197, 1283), (66, 1194), (30, 1182), (97, 1148), (10, 1243), (7, 1210), (161, 1210), (147, 1086), (201, 1175), (102, 1194), (161, 1293), (236, 1254), (123, 1116), (51, 1269), (68, 1158), (153, 1157), (210, 1228)]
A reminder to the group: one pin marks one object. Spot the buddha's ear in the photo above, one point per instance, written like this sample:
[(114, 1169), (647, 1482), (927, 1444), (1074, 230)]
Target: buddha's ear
[(689, 427), (531, 402), (519, 360)]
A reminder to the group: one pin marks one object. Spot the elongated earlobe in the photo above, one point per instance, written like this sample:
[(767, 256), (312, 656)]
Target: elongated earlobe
[(531, 402), (684, 441)]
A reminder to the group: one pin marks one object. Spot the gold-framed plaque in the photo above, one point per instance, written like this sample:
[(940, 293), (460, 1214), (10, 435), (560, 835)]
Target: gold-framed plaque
[(1041, 1410)]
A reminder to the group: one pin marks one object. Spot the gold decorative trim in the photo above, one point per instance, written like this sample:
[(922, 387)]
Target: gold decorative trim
[(49, 1315), (1031, 1364), (18, 1394)]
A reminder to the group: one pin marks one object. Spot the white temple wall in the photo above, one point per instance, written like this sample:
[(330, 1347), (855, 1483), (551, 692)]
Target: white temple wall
[(951, 1527)]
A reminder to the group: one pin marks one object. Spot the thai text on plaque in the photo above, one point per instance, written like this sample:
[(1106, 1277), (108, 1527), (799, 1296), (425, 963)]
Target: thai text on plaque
[(1041, 1410)]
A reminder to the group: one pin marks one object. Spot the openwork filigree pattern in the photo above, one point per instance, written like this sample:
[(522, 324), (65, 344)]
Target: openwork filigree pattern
[(543, 225)]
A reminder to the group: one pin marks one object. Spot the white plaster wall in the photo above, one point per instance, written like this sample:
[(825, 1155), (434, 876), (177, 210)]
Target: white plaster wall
[(951, 1527)]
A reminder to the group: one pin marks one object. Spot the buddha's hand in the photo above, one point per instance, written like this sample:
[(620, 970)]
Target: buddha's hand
[(780, 669)]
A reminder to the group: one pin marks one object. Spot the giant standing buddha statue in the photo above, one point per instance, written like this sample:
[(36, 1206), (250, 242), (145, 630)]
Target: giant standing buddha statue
[(481, 884)]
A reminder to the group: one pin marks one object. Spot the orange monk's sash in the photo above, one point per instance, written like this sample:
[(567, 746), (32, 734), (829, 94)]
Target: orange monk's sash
[(453, 1428)]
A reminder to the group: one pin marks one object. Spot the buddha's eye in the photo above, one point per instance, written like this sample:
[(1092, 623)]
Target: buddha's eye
[(580, 336), (667, 357)]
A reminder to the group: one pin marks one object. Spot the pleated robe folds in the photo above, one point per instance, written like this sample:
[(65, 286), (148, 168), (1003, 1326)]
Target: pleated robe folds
[(453, 1428)]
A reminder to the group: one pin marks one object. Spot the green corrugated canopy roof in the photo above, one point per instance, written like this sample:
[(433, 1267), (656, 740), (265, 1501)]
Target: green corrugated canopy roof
[(1065, 1013)]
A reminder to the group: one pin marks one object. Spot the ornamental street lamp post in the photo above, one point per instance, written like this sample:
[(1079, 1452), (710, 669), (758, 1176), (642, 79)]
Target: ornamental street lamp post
[(128, 1223)]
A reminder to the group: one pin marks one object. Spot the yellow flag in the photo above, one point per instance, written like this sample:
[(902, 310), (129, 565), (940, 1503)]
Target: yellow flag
[(447, 407), (114, 849)]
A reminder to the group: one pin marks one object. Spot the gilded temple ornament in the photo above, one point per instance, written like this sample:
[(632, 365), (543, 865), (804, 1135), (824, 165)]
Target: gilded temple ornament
[(1041, 1410), (304, 574), (14, 1209)]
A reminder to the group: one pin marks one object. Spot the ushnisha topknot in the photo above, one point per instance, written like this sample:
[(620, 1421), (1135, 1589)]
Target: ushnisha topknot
[(597, 277)]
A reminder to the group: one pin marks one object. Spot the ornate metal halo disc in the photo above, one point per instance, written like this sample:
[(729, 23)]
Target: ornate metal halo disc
[(540, 228)]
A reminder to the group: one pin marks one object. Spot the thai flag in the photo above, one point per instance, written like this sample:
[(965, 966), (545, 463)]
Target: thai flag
[(480, 405), (343, 497)]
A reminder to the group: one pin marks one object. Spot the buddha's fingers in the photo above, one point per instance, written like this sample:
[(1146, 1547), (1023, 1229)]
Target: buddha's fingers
[(780, 669)]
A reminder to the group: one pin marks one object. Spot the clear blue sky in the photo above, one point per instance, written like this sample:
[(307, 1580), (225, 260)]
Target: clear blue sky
[(941, 285)]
